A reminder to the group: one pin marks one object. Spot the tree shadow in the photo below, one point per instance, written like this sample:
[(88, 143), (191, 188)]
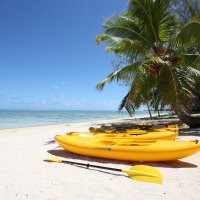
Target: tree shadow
[(51, 141), (189, 132)]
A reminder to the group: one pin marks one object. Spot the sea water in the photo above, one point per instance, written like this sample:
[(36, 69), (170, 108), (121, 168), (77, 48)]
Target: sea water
[(24, 118)]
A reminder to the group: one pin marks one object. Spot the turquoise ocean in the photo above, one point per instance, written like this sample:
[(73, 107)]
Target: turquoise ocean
[(25, 118)]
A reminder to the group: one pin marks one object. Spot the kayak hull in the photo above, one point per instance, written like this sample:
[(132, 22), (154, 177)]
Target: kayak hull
[(126, 149)]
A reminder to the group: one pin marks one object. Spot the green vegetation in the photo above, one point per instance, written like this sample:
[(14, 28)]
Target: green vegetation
[(160, 57)]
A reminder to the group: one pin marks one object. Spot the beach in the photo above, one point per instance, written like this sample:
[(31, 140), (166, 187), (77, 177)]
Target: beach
[(24, 174)]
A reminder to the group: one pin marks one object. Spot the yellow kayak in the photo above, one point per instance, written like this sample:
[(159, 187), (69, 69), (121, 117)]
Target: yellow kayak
[(142, 135), (126, 149)]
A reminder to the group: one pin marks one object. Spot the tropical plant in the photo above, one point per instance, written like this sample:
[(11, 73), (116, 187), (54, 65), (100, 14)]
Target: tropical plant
[(159, 54)]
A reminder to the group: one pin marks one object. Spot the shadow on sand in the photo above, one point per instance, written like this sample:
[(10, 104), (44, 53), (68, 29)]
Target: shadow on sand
[(65, 154), (189, 132), (51, 141)]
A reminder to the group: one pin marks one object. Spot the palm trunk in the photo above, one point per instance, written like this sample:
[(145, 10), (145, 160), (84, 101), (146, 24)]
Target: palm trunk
[(191, 121), (149, 110), (158, 113)]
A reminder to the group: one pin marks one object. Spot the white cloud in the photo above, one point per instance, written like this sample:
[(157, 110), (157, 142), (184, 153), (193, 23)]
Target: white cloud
[(56, 87), (57, 100), (82, 103), (75, 102), (64, 82), (42, 102), (103, 103), (62, 96), (2, 99), (18, 97)]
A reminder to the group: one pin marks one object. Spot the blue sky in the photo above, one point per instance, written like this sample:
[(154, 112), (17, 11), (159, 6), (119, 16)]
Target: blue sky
[(48, 57)]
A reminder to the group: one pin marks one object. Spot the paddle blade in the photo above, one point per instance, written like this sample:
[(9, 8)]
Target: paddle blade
[(53, 160), (144, 173)]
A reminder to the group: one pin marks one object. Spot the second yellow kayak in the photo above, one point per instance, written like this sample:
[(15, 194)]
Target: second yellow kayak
[(142, 135)]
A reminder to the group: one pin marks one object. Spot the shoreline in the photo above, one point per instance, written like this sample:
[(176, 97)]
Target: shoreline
[(24, 174), (26, 118), (109, 119)]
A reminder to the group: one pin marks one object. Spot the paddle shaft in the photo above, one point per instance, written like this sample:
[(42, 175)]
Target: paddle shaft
[(88, 165), (137, 172)]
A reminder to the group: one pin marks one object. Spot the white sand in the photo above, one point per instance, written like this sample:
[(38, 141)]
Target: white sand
[(24, 175)]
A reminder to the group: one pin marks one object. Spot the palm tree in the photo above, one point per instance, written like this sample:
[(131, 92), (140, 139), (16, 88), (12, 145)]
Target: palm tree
[(159, 54)]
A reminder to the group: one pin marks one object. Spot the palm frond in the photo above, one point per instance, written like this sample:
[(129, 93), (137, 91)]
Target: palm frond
[(128, 105), (125, 27), (190, 60), (155, 19), (141, 10), (177, 87), (122, 45), (119, 75), (189, 35)]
